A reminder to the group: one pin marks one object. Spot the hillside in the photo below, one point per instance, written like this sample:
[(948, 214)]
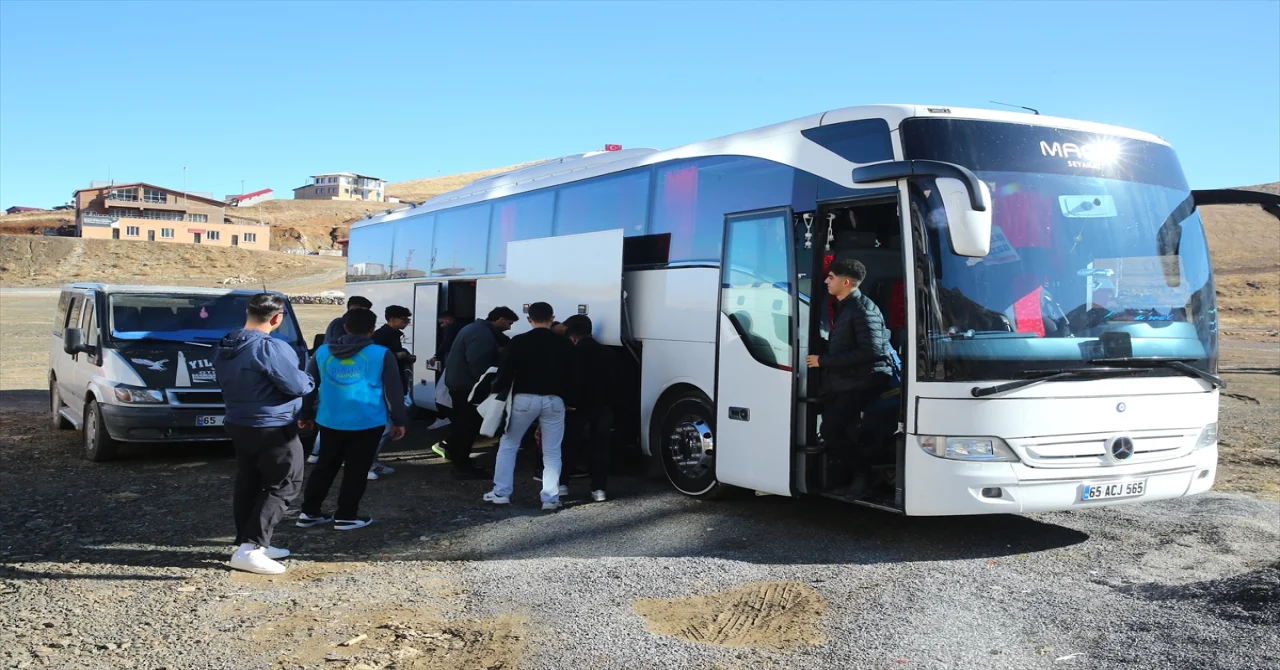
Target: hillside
[(35, 223), (305, 224), (418, 190), (37, 261), (1245, 244)]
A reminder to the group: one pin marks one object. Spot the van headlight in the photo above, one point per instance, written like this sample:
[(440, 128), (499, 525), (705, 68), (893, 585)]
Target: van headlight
[(132, 395), (967, 448), (1208, 436)]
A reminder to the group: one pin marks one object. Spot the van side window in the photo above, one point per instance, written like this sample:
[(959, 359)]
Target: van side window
[(73, 313), (60, 319), (90, 323)]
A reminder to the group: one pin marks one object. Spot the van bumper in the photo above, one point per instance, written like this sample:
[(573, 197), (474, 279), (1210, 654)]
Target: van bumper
[(939, 487), (162, 423)]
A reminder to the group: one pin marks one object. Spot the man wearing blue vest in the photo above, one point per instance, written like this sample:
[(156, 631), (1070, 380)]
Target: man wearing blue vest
[(357, 394)]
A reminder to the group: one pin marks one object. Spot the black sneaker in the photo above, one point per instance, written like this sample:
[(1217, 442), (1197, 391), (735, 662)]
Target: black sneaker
[(352, 524), (307, 521)]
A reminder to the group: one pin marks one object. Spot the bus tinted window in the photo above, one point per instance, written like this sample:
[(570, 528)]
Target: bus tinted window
[(865, 141), (523, 217), (691, 199), (413, 246), (461, 241), (369, 252), (604, 203)]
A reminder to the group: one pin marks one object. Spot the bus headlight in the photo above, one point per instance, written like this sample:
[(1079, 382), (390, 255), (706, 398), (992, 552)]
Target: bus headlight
[(967, 448), (1208, 436), (136, 395)]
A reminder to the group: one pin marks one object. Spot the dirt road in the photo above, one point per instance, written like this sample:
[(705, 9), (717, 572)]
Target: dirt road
[(121, 565)]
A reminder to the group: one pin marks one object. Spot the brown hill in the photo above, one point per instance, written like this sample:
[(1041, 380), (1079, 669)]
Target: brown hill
[(1245, 244), (37, 261), (35, 223), (418, 190), (305, 224)]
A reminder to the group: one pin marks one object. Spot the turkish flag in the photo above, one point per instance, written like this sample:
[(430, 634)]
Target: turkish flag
[(613, 147)]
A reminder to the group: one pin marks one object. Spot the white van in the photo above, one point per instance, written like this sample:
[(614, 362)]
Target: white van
[(135, 363)]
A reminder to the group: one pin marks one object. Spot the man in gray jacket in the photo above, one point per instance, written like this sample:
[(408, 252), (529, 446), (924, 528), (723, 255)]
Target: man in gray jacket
[(474, 351), (857, 369)]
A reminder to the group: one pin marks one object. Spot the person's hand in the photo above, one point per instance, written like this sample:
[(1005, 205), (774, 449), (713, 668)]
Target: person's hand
[(397, 432), (811, 361), (431, 361), (306, 425)]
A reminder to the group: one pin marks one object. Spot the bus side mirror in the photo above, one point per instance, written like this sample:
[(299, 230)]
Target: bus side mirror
[(970, 228), (966, 198)]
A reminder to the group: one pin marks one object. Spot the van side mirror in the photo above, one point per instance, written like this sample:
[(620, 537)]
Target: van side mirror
[(72, 341), (966, 199)]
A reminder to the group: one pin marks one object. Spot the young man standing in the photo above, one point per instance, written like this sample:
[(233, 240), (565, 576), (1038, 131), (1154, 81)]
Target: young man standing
[(391, 336), (358, 393), (857, 369), (335, 332), (262, 387), (538, 370), (474, 351), (591, 422)]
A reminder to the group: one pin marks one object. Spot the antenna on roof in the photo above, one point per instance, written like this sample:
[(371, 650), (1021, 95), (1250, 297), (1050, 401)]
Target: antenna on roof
[(1033, 111)]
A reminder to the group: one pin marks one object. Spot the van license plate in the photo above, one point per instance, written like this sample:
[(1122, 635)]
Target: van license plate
[(209, 420), (1126, 489)]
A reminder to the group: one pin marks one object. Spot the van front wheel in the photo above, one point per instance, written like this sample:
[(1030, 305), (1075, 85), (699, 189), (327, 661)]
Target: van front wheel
[(98, 445)]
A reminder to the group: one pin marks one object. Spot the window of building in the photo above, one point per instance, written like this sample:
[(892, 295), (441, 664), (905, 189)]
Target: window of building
[(130, 212), (604, 203), (127, 195), (458, 249), (154, 195), (166, 233), (132, 231), (691, 199), (250, 237), (522, 217), (211, 235), (161, 215), (198, 218)]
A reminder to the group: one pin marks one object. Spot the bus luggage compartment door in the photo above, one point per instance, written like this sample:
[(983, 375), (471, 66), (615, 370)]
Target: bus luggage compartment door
[(576, 274)]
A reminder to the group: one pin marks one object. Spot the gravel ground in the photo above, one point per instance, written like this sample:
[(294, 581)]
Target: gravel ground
[(121, 565)]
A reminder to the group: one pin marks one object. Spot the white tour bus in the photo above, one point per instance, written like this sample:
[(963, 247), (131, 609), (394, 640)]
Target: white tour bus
[(1046, 283)]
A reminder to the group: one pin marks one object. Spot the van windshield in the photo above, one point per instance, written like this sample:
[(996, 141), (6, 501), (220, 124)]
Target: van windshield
[(185, 318)]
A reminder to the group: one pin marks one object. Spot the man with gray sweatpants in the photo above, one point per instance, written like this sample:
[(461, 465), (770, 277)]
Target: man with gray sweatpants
[(538, 370)]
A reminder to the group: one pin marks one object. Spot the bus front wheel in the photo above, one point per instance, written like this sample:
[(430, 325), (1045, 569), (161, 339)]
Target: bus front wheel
[(684, 437)]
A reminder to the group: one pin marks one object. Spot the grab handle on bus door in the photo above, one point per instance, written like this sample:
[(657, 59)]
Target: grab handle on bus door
[(739, 413)]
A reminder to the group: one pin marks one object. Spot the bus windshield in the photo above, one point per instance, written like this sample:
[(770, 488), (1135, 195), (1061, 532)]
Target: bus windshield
[(1095, 239), (185, 318)]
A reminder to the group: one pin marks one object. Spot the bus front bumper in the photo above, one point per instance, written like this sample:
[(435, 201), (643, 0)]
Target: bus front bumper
[(941, 487)]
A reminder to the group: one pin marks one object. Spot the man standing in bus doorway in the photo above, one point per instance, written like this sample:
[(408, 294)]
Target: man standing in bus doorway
[(474, 351), (856, 368), (391, 336), (538, 372), (357, 395), (262, 387)]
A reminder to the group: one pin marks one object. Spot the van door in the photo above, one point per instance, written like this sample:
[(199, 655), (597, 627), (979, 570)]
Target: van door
[(756, 353), (426, 305), (67, 363)]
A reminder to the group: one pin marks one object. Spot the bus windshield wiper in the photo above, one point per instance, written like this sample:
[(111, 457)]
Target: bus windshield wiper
[(1051, 375), (1179, 364)]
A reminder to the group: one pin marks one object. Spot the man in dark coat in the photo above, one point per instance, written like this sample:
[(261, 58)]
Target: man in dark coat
[(856, 368)]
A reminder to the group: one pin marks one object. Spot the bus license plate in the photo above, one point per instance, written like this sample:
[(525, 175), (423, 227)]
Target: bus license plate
[(209, 420), (1127, 489)]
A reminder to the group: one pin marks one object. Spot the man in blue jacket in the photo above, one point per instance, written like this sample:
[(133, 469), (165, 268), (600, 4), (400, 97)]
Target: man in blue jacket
[(262, 388), (358, 394)]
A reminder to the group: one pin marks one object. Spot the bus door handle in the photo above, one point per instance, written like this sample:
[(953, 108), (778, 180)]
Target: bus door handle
[(739, 414)]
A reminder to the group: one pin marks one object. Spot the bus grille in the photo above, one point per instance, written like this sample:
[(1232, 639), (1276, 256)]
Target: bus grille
[(1083, 451)]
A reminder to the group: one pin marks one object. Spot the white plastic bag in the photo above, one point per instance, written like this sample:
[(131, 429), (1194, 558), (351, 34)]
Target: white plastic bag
[(493, 411), (442, 393)]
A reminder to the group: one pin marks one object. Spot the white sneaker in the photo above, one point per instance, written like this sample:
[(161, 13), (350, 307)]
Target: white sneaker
[(598, 496), (564, 490), (313, 459), (307, 521), (276, 553), (383, 469), (551, 506), (352, 524), (440, 423), (255, 561), (373, 476), (496, 499)]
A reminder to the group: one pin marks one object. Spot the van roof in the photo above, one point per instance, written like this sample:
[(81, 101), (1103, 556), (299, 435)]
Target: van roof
[(186, 290)]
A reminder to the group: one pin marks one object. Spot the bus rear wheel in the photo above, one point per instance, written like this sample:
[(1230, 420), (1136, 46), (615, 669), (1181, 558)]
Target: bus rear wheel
[(684, 436)]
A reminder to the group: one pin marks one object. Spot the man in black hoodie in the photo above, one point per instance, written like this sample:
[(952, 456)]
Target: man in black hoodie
[(589, 426), (334, 331), (262, 387), (357, 394), (475, 350)]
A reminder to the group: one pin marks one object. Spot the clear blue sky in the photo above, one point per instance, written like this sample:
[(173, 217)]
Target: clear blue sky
[(271, 93)]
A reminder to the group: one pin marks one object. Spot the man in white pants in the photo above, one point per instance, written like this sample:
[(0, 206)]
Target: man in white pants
[(538, 369)]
